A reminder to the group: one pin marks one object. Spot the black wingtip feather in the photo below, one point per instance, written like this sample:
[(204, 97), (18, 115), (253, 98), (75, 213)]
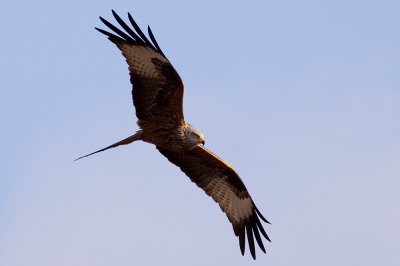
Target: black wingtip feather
[(126, 27), (104, 32), (259, 213), (139, 31), (257, 236), (117, 31), (242, 240), (250, 238), (154, 40), (113, 38), (130, 36), (261, 228)]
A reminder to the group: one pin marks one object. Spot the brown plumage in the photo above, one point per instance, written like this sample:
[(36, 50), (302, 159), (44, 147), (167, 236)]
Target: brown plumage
[(157, 93)]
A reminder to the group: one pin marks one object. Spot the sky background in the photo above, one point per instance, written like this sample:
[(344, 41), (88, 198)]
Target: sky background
[(301, 97)]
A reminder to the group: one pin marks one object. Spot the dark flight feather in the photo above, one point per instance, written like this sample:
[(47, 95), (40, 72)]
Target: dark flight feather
[(128, 30)]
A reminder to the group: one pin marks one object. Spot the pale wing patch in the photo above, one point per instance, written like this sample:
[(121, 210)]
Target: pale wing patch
[(237, 209), (243, 207), (140, 58)]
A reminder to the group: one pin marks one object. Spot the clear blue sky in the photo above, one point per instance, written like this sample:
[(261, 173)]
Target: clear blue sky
[(301, 97)]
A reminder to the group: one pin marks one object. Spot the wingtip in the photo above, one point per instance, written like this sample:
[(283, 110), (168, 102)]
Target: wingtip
[(257, 236), (115, 15), (250, 238), (130, 16), (263, 250), (242, 239), (242, 251), (259, 214), (149, 31)]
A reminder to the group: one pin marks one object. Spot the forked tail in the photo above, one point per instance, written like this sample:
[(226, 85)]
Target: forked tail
[(134, 137)]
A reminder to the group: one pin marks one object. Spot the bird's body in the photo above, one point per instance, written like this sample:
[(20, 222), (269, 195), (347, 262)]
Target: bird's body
[(183, 138), (157, 95)]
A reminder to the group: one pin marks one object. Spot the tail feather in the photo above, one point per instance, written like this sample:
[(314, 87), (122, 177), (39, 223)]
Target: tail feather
[(128, 140)]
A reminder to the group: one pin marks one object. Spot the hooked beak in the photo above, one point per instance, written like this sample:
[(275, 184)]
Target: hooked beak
[(203, 142)]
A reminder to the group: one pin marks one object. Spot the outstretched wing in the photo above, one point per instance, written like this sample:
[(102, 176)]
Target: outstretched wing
[(157, 90), (218, 179)]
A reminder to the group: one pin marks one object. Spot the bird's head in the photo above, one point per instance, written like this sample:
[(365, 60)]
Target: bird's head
[(193, 136)]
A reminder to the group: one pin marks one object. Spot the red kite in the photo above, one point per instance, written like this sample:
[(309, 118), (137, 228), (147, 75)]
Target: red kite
[(157, 95)]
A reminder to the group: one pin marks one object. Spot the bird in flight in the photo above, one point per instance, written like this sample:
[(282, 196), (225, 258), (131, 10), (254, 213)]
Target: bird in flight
[(157, 94)]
